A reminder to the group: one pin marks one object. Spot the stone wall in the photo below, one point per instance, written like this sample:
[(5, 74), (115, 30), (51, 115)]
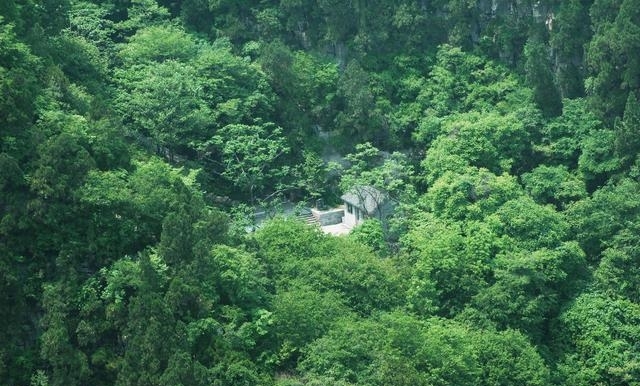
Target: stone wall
[(328, 217)]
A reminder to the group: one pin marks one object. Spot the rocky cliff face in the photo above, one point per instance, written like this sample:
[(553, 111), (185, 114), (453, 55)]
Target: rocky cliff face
[(499, 29)]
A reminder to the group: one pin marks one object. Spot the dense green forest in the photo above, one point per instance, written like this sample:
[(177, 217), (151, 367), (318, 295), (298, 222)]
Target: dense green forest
[(137, 136)]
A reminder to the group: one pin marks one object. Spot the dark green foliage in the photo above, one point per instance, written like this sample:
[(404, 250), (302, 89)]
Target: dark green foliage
[(627, 144), (554, 185), (601, 334), (131, 131), (470, 194), (617, 272), (570, 31), (596, 220), (19, 70), (70, 366), (451, 265), (613, 54), (359, 119), (530, 288), (371, 234), (293, 250), (398, 349), (197, 15), (460, 82), (302, 314), (528, 225), (250, 157), (540, 78), (564, 137)]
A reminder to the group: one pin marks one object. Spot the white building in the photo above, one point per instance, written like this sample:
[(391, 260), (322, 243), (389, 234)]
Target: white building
[(364, 202)]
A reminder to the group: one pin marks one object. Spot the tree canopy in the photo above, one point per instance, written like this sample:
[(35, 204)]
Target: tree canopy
[(156, 155)]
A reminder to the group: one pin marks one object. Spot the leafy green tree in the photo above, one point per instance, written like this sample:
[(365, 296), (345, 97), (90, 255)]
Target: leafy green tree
[(277, 60), (220, 297), (493, 141), (570, 32), (301, 315), (61, 168), (540, 78), (82, 63), (399, 349), (149, 336), (460, 82), (69, 365), (564, 137), (452, 264), (338, 265), (460, 23), (191, 230), (531, 287), (182, 370), (414, 29), (614, 69), (312, 175), (236, 90), (20, 287), (368, 167), (317, 80), (348, 352), (528, 225), (598, 160), (366, 282), (240, 278), (91, 21), (617, 273), (597, 219), (359, 119), (102, 310), (470, 194), (554, 185), (372, 40), (249, 157), (205, 310), (18, 355), (139, 15), (238, 369), (9, 11), (599, 335), (286, 243), (40, 19), (197, 15), (626, 142), (409, 123), (19, 87), (157, 44), (371, 233), (496, 356), (306, 87), (165, 102), (132, 210), (233, 19), (341, 21), (111, 228), (612, 55)]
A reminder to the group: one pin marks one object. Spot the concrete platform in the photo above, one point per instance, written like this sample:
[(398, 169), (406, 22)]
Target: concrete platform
[(336, 229)]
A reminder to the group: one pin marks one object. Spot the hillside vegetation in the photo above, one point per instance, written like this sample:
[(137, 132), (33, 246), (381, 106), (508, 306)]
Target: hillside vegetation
[(137, 136)]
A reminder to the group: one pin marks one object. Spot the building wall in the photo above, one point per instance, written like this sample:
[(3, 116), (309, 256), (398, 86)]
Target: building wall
[(328, 217), (352, 215)]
